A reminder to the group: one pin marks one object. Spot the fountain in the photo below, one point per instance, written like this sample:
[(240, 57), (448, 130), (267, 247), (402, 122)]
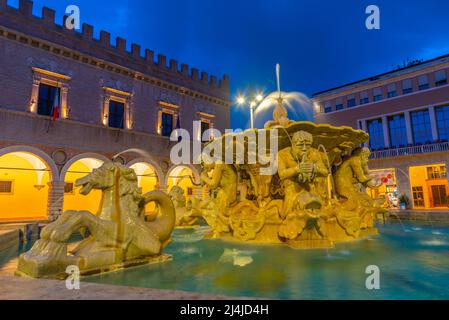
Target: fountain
[(315, 198)]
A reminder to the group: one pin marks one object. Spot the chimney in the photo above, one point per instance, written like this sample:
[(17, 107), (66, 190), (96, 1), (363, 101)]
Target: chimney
[(121, 44)]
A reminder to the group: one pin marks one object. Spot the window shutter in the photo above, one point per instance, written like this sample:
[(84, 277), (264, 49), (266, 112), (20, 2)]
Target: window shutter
[(391, 87), (423, 80), (440, 75), (407, 84)]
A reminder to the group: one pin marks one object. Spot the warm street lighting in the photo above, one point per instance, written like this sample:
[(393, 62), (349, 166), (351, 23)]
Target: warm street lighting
[(255, 99), (241, 100)]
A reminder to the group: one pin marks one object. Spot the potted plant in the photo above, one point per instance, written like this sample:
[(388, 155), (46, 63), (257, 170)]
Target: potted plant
[(404, 201)]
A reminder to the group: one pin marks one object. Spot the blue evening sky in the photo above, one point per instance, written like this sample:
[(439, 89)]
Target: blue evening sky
[(319, 44)]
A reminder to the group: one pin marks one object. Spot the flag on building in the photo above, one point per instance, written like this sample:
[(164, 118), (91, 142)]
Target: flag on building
[(55, 108)]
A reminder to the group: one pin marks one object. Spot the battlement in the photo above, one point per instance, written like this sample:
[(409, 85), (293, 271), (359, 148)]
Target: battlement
[(102, 48)]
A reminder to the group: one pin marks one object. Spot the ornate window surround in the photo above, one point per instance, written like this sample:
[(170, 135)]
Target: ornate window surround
[(165, 107), (53, 79), (208, 118), (119, 96)]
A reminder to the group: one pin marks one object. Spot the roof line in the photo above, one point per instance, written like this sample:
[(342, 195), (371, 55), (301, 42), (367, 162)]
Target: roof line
[(373, 78)]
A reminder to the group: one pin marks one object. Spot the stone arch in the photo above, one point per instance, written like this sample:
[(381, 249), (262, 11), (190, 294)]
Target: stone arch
[(31, 190), (80, 157), (153, 164), (46, 159), (193, 168)]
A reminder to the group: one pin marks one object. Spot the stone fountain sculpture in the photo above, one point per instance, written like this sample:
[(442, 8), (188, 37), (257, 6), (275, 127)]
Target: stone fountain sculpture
[(116, 236), (314, 199)]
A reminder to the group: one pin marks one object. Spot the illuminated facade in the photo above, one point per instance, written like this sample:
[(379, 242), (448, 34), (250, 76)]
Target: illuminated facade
[(70, 101), (406, 113)]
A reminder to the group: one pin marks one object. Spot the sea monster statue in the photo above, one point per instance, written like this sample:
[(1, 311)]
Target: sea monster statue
[(117, 235)]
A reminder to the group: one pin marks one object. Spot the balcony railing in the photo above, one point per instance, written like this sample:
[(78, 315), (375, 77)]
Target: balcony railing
[(405, 151)]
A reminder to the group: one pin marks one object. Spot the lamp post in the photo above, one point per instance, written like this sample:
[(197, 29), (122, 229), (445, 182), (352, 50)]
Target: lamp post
[(253, 101)]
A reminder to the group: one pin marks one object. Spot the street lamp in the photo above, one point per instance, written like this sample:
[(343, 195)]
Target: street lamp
[(255, 99)]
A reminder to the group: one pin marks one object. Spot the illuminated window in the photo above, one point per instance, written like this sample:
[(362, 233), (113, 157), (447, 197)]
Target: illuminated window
[(442, 115), (5, 187), (116, 114), (204, 127), (166, 124), (439, 196), (398, 131), (418, 197), (376, 134), (436, 172), (421, 128), (48, 99)]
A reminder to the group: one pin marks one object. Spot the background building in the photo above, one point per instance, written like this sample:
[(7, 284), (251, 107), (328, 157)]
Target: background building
[(406, 113), (69, 102)]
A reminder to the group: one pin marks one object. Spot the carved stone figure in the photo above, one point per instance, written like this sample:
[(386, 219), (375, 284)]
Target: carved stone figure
[(352, 173), (117, 233), (302, 204), (300, 168)]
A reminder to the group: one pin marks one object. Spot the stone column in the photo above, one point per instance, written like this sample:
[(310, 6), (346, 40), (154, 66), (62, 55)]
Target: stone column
[(386, 132), (433, 123), (55, 199), (408, 126)]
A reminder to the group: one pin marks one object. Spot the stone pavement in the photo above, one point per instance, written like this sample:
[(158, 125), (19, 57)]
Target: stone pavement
[(16, 288)]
